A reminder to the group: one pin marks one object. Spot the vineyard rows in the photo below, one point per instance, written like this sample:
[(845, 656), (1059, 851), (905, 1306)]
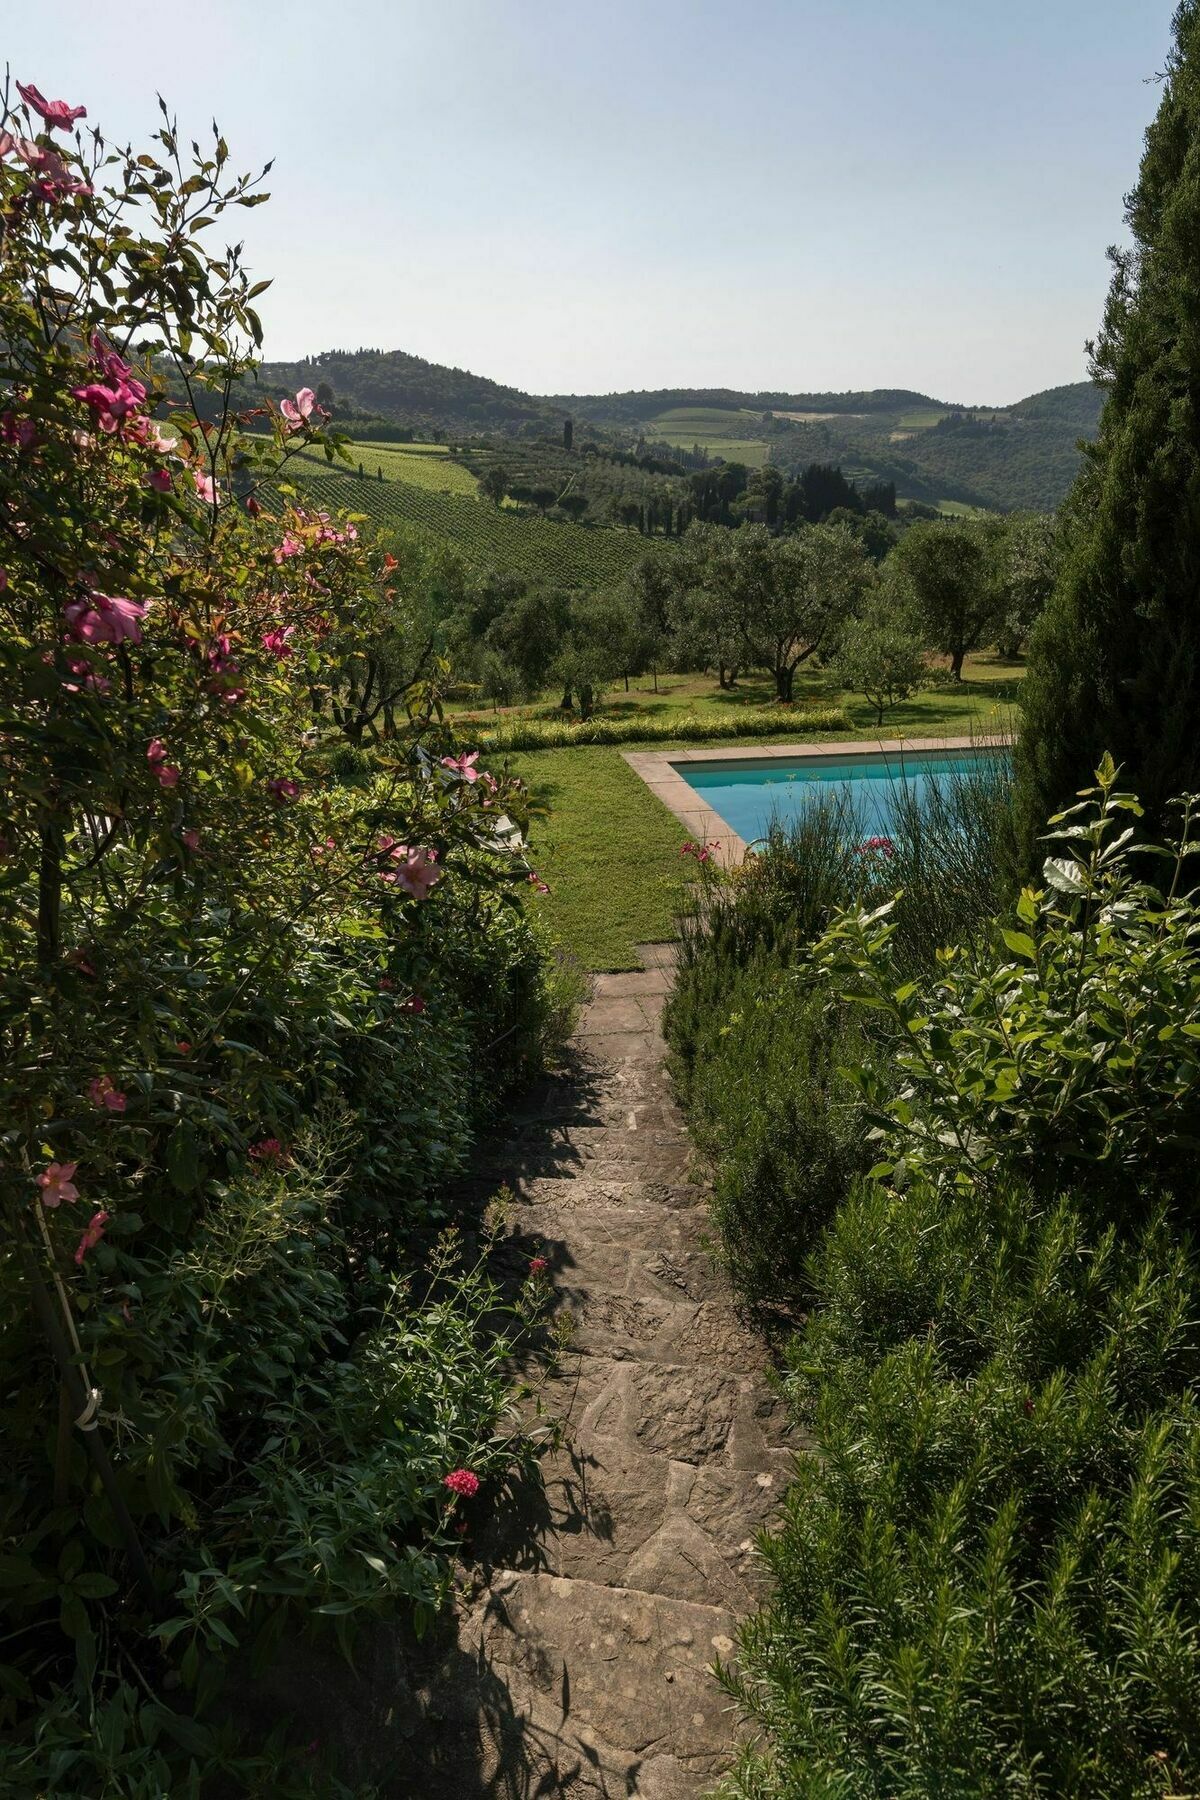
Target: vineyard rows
[(486, 537)]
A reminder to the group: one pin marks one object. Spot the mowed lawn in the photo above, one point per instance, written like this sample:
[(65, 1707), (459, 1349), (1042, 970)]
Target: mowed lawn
[(610, 852)]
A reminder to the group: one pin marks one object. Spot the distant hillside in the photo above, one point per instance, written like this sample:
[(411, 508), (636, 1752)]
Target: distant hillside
[(1023, 455)]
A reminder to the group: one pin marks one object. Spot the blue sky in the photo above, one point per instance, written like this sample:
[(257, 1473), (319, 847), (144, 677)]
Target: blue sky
[(769, 194)]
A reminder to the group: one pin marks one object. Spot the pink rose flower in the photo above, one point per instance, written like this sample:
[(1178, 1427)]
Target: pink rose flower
[(93, 1232), (462, 1481), (57, 114), (104, 619), (57, 1182)]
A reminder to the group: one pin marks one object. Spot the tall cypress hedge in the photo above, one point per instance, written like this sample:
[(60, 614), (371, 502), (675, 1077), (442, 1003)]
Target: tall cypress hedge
[(1115, 661)]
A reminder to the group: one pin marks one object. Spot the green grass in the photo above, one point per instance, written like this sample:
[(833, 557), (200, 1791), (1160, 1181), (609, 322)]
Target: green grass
[(920, 418), (719, 430), (609, 852)]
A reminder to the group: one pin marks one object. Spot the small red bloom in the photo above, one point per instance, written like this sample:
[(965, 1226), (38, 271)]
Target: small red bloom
[(538, 1265), (462, 1481)]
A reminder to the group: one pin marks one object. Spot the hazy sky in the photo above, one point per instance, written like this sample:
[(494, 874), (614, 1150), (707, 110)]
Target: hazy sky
[(799, 194)]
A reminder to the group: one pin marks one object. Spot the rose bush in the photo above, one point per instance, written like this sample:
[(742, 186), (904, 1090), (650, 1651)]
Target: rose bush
[(263, 968)]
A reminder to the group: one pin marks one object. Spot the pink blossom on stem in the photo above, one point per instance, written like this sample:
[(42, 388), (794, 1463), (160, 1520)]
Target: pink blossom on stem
[(536, 882), (289, 545), (57, 114), (103, 1092), (462, 1481), (105, 619), (463, 766), (57, 1182), (537, 1266), (206, 487), (283, 790), (299, 411), (276, 644), (93, 1232), (414, 871), (701, 852), (253, 507), (219, 655), (160, 481)]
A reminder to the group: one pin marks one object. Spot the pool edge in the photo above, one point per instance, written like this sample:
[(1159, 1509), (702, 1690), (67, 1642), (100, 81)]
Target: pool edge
[(656, 770)]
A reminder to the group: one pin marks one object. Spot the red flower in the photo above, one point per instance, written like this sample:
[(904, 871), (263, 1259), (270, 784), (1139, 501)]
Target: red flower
[(414, 1004), (462, 1481), (538, 1265), (270, 1150)]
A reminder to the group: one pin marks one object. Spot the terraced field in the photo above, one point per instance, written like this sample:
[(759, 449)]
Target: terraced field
[(484, 536), (423, 465)]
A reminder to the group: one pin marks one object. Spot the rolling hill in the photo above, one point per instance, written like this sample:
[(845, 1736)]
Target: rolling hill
[(1021, 455)]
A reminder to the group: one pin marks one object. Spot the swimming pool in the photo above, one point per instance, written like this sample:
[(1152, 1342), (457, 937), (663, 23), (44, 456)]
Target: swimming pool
[(749, 794)]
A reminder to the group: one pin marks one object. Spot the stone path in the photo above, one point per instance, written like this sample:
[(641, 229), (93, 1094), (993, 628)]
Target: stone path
[(579, 1666)]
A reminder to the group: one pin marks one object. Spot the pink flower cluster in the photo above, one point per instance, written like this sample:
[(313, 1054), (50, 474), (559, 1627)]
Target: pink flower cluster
[(701, 852), (882, 846), (117, 396), (103, 1092), (54, 180), (463, 766), (276, 644), (166, 774), (462, 1481), (413, 871)]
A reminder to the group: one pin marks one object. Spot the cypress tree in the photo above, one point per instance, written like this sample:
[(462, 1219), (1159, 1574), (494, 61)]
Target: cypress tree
[(1114, 663)]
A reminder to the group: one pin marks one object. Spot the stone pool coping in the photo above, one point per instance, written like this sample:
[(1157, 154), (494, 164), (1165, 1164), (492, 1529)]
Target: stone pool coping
[(702, 823)]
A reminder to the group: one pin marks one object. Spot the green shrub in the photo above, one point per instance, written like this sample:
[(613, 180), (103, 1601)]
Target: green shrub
[(554, 734), (766, 1102), (986, 1580)]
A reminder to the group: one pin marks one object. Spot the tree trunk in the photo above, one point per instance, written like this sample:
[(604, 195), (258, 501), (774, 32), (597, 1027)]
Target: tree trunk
[(783, 684), (587, 700), (956, 664), (567, 704)]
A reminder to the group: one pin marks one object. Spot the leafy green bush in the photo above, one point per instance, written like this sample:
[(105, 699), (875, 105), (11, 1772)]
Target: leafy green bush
[(264, 970), (987, 1578), (757, 1044)]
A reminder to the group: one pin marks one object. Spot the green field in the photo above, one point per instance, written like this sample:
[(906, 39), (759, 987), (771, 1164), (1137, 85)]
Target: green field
[(920, 418), (422, 465), (719, 430), (484, 536)]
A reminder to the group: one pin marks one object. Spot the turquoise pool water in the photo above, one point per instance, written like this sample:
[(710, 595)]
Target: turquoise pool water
[(750, 793)]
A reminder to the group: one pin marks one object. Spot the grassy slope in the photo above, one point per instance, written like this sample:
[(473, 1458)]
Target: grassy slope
[(609, 850)]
